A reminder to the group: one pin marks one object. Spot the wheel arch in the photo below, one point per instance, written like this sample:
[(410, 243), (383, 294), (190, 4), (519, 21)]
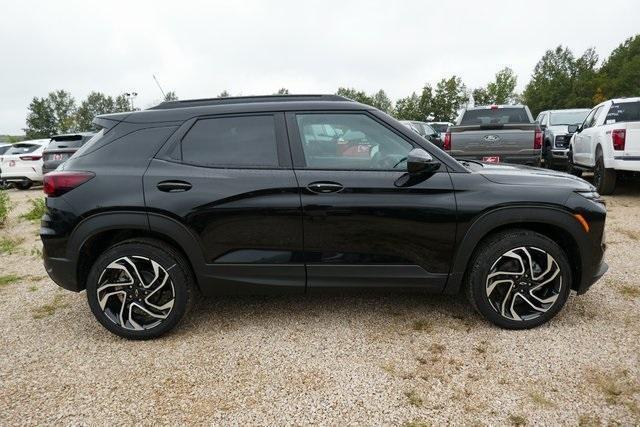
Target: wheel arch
[(557, 224), (98, 232)]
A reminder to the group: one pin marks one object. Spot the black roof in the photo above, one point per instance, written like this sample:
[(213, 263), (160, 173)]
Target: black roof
[(245, 100), (177, 111)]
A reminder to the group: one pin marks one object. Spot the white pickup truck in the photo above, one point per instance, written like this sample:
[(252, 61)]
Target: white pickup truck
[(608, 142)]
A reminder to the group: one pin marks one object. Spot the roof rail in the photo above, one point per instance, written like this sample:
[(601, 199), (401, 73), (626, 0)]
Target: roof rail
[(244, 100)]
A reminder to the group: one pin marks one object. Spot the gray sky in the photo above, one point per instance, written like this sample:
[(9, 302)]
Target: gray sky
[(200, 48)]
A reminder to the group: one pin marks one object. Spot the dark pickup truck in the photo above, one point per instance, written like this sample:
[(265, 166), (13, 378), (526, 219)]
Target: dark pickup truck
[(495, 134)]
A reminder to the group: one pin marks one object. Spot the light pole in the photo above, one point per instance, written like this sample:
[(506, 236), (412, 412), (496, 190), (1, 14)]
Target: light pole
[(130, 96)]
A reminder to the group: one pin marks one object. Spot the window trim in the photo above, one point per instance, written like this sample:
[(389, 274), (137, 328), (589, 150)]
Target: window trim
[(297, 152), (174, 144)]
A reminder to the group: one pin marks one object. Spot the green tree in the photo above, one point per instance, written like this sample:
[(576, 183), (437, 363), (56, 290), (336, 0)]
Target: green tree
[(620, 73), (355, 95), (95, 104), (381, 101), (223, 94), (171, 96), (283, 91), (41, 119), (408, 108), (500, 91), (449, 96), (64, 109), (122, 104)]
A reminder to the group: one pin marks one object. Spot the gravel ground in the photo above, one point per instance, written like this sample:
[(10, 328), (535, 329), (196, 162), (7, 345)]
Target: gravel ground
[(366, 359)]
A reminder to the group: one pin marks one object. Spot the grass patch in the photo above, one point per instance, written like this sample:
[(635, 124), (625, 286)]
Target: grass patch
[(8, 279), (629, 291), (422, 326), (541, 400), (481, 347), (517, 420), (413, 397), (618, 388), (32, 288), (36, 252), (4, 207), (9, 245), (589, 421), (37, 210), (49, 309)]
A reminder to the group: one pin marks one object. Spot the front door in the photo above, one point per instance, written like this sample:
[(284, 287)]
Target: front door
[(363, 225)]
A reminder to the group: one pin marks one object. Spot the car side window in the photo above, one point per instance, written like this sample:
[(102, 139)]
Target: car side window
[(242, 141), (354, 142), (541, 118), (587, 121), (596, 116)]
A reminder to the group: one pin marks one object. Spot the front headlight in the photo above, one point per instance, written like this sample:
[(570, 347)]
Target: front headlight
[(592, 195)]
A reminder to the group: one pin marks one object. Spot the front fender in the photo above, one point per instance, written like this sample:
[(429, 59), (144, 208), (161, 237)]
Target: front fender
[(503, 217)]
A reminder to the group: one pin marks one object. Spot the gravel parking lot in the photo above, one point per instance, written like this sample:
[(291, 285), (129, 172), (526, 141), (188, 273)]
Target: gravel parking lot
[(365, 359)]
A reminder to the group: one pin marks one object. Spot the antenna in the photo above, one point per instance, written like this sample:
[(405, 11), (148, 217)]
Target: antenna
[(159, 87)]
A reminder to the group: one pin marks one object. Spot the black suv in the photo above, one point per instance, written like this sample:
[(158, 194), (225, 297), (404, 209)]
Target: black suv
[(298, 194)]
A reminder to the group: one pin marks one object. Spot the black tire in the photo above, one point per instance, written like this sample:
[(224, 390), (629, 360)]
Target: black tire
[(23, 185), (146, 251), (490, 252), (604, 179)]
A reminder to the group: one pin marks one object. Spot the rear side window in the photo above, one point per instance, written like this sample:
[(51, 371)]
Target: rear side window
[(623, 112), (497, 116), (4, 149), (232, 141)]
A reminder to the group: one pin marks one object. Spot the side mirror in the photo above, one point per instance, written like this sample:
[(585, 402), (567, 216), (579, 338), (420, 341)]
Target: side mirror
[(573, 128), (419, 161)]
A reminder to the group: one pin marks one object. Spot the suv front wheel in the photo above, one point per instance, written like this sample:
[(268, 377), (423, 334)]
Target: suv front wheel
[(140, 288), (518, 279)]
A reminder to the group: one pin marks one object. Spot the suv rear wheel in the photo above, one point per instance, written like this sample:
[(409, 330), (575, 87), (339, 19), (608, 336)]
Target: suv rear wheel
[(140, 289), (518, 279)]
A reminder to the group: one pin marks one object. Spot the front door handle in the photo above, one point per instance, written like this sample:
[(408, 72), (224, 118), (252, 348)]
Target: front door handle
[(173, 186), (325, 187)]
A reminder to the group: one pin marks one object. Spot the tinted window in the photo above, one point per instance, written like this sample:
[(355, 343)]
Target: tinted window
[(355, 141), (623, 112), (22, 149), (440, 127), (488, 116), (232, 141)]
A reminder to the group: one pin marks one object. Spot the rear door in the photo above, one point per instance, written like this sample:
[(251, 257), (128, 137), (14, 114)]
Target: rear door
[(228, 180), (363, 226)]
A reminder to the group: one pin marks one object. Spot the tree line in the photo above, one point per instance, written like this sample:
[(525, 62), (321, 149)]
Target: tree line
[(560, 79)]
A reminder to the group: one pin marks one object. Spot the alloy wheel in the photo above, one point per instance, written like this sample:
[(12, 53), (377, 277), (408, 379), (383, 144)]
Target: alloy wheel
[(523, 283), (135, 293)]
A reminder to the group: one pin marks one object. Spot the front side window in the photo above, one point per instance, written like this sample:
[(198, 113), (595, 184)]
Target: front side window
[(589, 119), (232, 142), (595, 117), (351, 142)]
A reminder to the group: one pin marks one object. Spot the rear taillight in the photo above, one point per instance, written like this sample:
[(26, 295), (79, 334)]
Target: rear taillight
[(537, 140), (446, 144), (32, 158), (57, 183), (618, 136)]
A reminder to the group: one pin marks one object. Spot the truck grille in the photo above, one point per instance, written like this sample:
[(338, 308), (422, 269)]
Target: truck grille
[(562, 141)]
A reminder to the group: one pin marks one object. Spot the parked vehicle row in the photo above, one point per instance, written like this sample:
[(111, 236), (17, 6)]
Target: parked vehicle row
[(300, 194), (424, 130), (23, 164)]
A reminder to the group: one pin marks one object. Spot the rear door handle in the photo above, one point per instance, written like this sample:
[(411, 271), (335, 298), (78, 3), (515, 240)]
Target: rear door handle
[(325, 187), (173, 186)]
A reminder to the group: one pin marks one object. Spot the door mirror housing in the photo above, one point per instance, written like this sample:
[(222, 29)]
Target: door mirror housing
[(574, 128), (419, 161)]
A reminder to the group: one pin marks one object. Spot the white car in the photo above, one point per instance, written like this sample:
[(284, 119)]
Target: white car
[(21, 165), (608, 142)]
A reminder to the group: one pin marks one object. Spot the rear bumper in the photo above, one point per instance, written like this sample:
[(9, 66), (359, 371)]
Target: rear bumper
[(62, 271), (21, 176), (627, 163)]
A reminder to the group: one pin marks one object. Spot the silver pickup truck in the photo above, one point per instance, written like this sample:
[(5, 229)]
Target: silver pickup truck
[(495, 134)]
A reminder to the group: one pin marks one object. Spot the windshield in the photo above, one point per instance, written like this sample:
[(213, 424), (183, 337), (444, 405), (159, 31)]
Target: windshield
[(495, 116), (567, 118)]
